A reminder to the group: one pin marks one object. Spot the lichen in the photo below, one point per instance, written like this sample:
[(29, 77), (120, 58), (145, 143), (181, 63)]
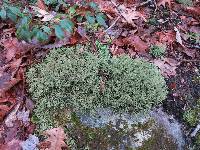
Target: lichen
[(82, 82)]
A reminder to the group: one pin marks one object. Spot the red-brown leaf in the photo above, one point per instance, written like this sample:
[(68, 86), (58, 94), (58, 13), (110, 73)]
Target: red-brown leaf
[(135, 41), (41, 4)]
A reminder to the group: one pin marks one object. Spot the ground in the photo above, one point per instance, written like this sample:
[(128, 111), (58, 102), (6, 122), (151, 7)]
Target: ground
[(163, 32)]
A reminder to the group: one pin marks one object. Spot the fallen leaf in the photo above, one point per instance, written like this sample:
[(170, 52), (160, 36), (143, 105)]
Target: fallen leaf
[(167, 66), (42, 13), (164, 2), (10, 46), (23, 116), (12, 116), (167, 37), (116, 51), (56, 137), (130, 14), (48, 17), (137, 43), (178, 36), (6, 104), (190, 52), (13, 132), (11, 145), (41, 4), (8, 85), (31, 143), (194, 10), (15, 48)]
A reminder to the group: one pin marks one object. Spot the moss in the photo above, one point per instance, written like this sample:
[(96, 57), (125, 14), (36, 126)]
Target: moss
[(192, 115), (157, 50), (197, 140), (83, 82), (185, 2), (153, 21), (155, 141)]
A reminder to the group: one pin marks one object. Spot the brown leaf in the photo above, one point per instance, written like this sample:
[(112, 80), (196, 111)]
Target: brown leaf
[(130, 14), (12, 116), (167, 37), (190, 52), (116, 51), (193, 10), (167, 66), (11, 145), (10, 46), (41, 4), (137, 43), (56, 137), (15, 48), (8, 85), (164, 2)]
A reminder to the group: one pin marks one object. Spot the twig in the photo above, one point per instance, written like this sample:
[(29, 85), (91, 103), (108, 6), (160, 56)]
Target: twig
[(193, 134), (144, 3), (112, 24), (187, 60)]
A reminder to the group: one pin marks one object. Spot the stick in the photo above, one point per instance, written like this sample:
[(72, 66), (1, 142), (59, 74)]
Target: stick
[(112, 24)]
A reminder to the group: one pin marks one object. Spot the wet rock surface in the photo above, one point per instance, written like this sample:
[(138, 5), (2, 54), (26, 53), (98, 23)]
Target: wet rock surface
[(109, 131)]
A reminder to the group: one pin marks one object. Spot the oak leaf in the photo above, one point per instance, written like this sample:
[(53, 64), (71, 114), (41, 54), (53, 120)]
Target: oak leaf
[(167, 66), (130, 14), (137, 43), (56, 137)]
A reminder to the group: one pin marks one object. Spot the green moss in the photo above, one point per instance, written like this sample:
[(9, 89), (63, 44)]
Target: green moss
[(83, 82), (197, 140), (153, 21), (157, 50), (192, 115), (185, 2)]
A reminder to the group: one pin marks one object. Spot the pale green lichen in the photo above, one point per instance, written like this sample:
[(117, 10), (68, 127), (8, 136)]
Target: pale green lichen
[(82, 81)]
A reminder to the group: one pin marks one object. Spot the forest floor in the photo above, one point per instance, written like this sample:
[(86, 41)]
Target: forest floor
[(135, 28)]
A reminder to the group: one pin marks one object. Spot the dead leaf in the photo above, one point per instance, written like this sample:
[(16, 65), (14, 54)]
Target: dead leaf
[(167, 66), (23, 116), (10, 46), (42, 13), (178, 36), (15, 48), (41, 4), (12, 116), (30, 143), (137, 43), (190, 52), (11, 145), (194, 10), (6, 104), (8, 85), (167, 37), (56, 137), (164, 2), (130, 14), (116, 51)]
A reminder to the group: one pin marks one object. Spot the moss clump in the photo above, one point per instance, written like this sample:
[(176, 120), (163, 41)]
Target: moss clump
[(68, 78), (185, 2), (157, 50), (192, 115)]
